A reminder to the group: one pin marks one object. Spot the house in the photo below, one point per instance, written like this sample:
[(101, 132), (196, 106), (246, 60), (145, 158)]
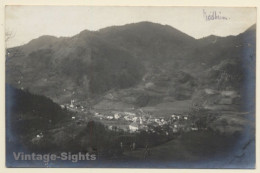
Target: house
[(72, 101), (130, 118), (157, 120), (141, 121), (194, 129), (135, 119), (100, 116), (110, 127), (127, 118), (173, 116), (161, 123), (133, 127), (110, 117), (130, 113), (117, 116), (39, 135)]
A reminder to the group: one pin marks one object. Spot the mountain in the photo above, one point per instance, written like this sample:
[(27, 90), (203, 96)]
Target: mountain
[(148, 40), (84, 63), (136, 65)]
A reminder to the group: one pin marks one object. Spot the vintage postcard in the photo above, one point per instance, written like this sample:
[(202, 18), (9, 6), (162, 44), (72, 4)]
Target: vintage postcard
[(130, 86)]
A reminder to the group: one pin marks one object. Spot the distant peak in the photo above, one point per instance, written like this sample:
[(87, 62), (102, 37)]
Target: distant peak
[(85, 32), (145, 27), (253, 27), (145, 23), (44, 38), (210, 37), (47, 36)]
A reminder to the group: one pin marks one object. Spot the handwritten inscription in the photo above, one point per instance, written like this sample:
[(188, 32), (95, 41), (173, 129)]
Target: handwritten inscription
[(214, 15)]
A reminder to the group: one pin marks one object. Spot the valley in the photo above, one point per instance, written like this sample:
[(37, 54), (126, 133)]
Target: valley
[(141, 91)]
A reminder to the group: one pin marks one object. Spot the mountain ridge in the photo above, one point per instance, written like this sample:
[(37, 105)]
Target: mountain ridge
[(252, 27), (149, 58)]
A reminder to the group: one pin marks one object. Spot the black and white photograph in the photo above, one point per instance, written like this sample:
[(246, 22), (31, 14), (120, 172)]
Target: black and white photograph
[(130, 87)]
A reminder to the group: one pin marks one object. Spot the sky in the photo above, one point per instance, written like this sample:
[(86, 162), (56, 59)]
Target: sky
[(30, 22)]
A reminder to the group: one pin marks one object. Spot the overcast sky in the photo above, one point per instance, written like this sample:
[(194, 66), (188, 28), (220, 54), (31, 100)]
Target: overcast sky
[(29, 22)]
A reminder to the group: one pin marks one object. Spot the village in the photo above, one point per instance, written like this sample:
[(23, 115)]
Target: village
[(141, 121), (133, 121)]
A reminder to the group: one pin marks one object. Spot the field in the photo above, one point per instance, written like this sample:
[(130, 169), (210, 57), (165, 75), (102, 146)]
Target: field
[(169, 108)]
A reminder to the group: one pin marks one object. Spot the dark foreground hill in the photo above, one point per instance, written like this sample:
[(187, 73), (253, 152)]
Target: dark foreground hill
[(30, 113)]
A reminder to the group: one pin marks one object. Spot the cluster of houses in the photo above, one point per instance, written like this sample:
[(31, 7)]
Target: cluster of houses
[(143, 121), (174, 124), (73, 106), (115, 115), (138, 120)]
